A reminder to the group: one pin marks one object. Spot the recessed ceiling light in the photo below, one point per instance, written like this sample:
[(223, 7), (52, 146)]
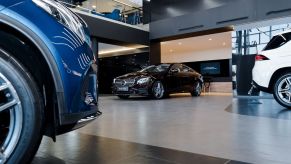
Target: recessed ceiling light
[(94, 7), (210, 39), (223, 43), (180, 43), (115, 50)]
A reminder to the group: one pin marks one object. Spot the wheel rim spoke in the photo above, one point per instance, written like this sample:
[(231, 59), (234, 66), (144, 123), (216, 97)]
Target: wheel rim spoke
[(2, 158), (4, 87), (288, 81), (8, 105), (284, 90), (10, 109), (158, 90)]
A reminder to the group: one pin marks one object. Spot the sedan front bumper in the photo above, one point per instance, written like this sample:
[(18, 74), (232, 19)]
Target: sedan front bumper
[(134, 90)]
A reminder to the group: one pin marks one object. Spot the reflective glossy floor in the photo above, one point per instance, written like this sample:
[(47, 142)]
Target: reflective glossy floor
[(181, 129)]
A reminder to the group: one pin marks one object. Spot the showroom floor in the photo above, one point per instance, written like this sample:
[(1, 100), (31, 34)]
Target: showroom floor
[(181, 129)]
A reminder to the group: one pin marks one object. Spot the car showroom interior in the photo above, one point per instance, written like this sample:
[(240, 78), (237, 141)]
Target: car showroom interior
[(145, 81)]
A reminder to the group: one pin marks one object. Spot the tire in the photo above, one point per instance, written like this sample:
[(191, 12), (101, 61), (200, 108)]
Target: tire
[(197, 89), (123, 96), (27, 111), (158, 90), (282, 90)]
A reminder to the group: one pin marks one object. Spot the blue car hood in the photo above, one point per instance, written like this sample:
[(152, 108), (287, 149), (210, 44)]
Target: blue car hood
[(7, 3)]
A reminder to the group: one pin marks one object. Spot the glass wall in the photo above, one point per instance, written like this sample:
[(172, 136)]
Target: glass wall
[(251, 41), (245, 45), (126, 11)]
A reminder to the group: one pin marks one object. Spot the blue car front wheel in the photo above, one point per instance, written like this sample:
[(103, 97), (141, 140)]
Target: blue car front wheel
[(21, 116)]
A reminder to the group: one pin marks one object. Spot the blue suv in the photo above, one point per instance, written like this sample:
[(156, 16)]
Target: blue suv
[(47, 75)]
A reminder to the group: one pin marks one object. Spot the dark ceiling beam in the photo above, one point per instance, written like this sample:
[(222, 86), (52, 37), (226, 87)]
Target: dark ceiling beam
[(114, 33)]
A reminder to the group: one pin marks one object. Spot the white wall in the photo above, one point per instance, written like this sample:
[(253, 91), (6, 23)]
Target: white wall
[(201, 55), (201, 48)]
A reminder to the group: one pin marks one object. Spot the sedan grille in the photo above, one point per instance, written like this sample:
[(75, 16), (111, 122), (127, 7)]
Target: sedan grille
[(124, 82)]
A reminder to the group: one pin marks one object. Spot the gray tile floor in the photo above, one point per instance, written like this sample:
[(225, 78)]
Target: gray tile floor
[(199, 125)]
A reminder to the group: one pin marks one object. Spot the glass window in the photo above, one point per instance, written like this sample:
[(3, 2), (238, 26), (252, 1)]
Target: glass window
[(176, 68), (277, 41), (158, 68), (186, 69)]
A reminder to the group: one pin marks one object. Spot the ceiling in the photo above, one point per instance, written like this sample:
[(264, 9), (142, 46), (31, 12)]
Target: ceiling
[(206, 42), (108, 50)]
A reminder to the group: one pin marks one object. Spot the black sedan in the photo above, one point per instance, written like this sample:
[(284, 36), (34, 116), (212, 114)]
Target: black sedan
[(159, 81)]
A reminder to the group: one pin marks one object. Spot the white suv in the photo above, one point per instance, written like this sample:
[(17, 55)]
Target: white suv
[(272, 70)]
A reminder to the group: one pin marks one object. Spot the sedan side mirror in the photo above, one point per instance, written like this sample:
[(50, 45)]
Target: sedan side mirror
[(174, 71)]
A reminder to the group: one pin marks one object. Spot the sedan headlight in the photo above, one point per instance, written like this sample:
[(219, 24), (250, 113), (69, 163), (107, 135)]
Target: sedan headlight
[(143, 80), (66, 17)]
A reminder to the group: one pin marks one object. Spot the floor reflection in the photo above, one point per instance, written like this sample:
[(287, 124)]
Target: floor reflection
[(47, 160), (260, 108), (76, 148)]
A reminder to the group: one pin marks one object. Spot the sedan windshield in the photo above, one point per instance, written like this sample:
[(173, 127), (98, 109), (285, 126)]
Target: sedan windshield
[(156, 68)]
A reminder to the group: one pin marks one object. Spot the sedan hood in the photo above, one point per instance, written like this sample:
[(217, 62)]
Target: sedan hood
[(141, 74)]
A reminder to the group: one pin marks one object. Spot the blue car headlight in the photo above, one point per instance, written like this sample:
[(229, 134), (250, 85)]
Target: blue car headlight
[(66, 17), (143, 80)]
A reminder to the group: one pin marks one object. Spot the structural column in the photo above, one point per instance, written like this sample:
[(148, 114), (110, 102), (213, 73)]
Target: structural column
[(155, 52)]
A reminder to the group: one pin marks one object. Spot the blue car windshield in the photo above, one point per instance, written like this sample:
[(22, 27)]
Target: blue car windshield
[(156, 68)]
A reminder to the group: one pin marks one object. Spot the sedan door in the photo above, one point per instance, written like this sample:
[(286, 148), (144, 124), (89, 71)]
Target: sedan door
[(188, 78), (173, 78)]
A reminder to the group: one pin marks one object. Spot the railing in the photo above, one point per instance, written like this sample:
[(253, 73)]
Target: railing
[(131, 17)]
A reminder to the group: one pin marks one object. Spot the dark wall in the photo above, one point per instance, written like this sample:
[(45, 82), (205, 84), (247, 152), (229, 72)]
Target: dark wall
[(114, 33), (111, 67)]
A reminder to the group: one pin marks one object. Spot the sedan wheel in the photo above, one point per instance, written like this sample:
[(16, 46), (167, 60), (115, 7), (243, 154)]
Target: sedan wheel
[(282, 90), (197, 89), (158, 90)]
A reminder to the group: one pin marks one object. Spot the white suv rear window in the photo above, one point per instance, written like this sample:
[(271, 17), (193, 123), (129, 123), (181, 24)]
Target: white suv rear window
[(277, 41)]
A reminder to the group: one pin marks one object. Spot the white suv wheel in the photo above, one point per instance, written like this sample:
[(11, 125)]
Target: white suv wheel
[(282, 90)]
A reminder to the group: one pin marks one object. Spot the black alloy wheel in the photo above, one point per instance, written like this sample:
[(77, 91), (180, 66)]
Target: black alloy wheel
[(197, 89), (158, 90)]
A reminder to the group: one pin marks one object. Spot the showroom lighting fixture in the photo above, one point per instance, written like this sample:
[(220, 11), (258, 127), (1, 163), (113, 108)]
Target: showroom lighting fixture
[(210, 39), (115, 51), (138, 2), (123, 3), (180, 43), (94, 7)]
